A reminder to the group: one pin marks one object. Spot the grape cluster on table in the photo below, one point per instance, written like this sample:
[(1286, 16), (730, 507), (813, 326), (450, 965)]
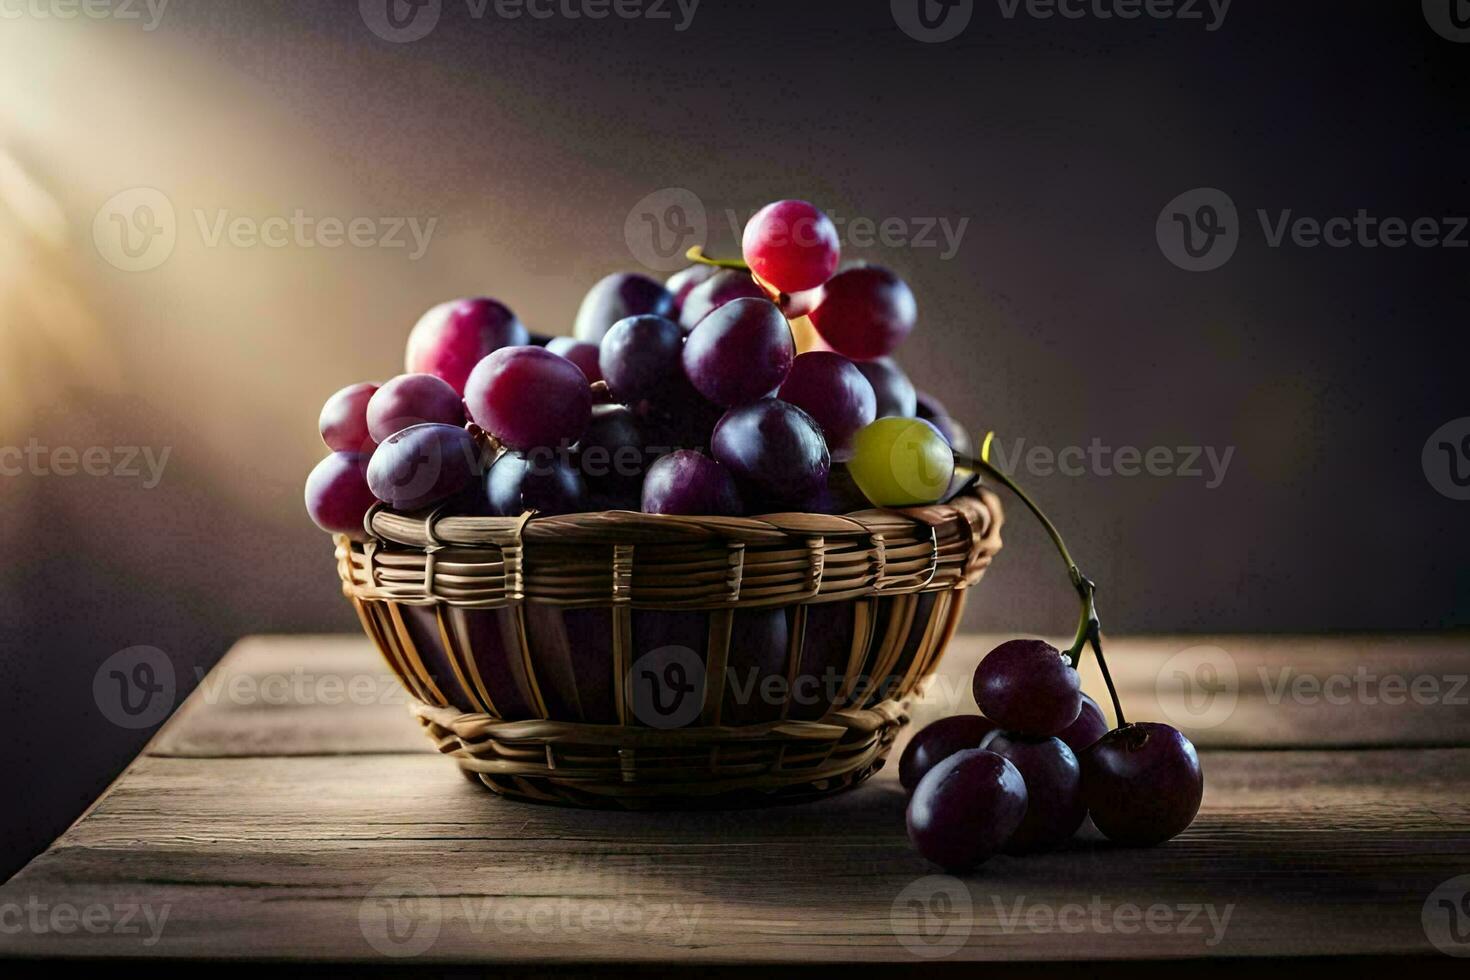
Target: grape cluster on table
[(725, 391)]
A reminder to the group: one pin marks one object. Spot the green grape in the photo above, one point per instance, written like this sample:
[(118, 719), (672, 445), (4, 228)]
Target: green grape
[(901, 462)]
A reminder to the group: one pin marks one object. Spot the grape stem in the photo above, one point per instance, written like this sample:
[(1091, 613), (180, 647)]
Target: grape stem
[(696, 254), (1089, 627)]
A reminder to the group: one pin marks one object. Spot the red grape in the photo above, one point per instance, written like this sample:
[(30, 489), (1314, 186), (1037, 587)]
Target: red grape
[(580, 353), (740, 352), (791, 245), (893, 389), (1091, 725), (412, 399), (528, 397), (683, 282), (937, 742), (639, 356), (449, 340), (966, 808), (1142, 783), (1054, 808), (1027, 686), (866, 312), (423, 465), (343, 422), (726, 285), (833, 392), (774, 450), (337, 494), (616, 297), (686, 482), (538, 481)]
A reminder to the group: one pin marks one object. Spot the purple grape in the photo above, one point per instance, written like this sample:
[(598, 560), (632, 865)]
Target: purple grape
[(343, 422), (582, 354), (937, 742), (412, 399), (758, 650), (1054, 808), (423, 465), (529, 398), (1091, 725), (617, 297), (639, 356), (833, 392), (893, 389), (683, 282), (1027, 686), (932, 410), (337, 494), (711, 294), (612, 457), (866, 312), (685, 482), (774, 450), (539, 481), (449, 340), (740, 352), (1142, 783), (966, 808)]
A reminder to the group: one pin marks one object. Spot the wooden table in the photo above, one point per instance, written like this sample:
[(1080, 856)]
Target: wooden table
[(292, 810)]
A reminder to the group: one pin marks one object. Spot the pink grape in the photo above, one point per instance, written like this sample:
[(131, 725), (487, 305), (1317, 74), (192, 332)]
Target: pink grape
[(792, 245), (616, 297), (866, 312), (833, 392), (337, 494), (423, 465), (580, 353), (740, 352), (343, 422), (528, 397), (449, 340), (775, 452), (966, 808), (1027, 686), (412, 399), (721, 288), (686, 482)]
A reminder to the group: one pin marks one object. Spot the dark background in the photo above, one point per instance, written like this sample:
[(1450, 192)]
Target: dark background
[(1058, 320)]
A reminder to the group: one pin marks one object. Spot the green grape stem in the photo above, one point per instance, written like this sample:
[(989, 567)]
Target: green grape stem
[(1089, 627), (696, 254)]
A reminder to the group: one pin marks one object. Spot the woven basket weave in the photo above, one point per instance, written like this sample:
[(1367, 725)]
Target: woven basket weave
[(635, 660)]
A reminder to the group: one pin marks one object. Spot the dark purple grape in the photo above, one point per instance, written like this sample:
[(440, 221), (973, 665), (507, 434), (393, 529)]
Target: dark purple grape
[(893, 389), (449, 340), (1091, 725), (740, 352), (617, 297), (937, 742), (529, 398), (423, 465), (683, 282), (1142, 783), (1054, 807), (582, 354), (412, 399), (686, 482), (337, 494), (774, 450), (640, 356), (755, 669), (932, 410), (679, 418), (539, 481), (833, 392), (865, 312), (723, 287), (966, 808), (343, 422), (612, 457), (1027, 686)]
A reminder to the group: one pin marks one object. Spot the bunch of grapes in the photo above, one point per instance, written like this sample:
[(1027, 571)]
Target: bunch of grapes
[(735, 388)]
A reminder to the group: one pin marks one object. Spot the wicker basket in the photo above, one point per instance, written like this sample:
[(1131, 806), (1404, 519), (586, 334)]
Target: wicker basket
[(633, 660)]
